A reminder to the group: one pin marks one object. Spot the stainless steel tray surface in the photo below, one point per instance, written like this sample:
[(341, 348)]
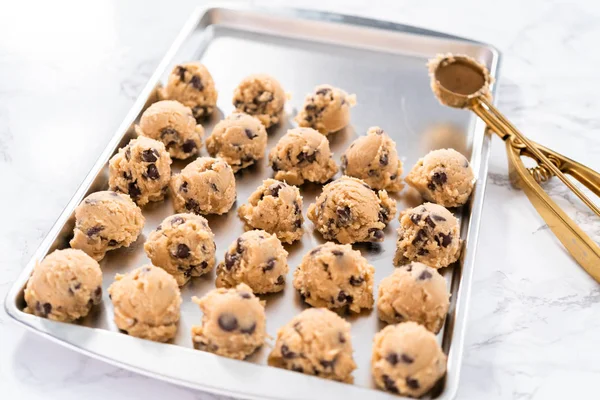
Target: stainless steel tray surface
[(384, 65)]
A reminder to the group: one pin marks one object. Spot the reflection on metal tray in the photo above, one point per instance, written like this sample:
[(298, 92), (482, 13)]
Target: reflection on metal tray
[(384, 64)]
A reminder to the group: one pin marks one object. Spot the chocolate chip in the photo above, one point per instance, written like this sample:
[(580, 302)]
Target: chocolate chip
[(188, 146), (169, 132), (214, 187), (128, 153), (93, 231), (344, 298), (437, 217), (439, 178), (133, 190), (245, 295), (408, 267), (383, 160), (389, 384), (150, 155), (270, 265), (398, 316), (376, 233), (127, 175), (422, 252), (392, 358), (429, 221), (443, 240), (297, 368), (415, 218), (176, 221), (228, 322), (323, 91), (275, 188), (384, 214), (327, 363), (407, 359), (412, 383), (310, 107), (287, 353), (192, 205), (276, 166), (97, 292), (249, 330), (344, 215), (425, 275), (196, 82), (337, 253), (341, 337), (183, 251), (393, 177), (305, 157), (47, 308), (184, 187), (421, 236), (250, 134), (356, 281), (152, 172), (112, 242), (181, 72), (379, 131), (230, 260), (315, 251), (280, 280), (239, 248)]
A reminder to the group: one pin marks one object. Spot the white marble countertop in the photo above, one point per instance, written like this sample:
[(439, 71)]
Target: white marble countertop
[(70, 71)]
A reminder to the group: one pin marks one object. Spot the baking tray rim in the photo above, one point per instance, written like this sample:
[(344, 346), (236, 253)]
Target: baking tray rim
[(48, 328)]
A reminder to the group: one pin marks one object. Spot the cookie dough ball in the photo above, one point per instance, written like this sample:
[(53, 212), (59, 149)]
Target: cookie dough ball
[(315, 342), (429, 234), (64, 286), (414, 292), (327, 109), (174, 125), (443, 177), (262, 96), (146, 303), (374, 159), (335, 276), (302, 154), (192, 85), (347, 210), (275, 207), (183, 245), (233, 324), (407, 359), (257, 259), (106, 221), (239, 139), (204, 186), (142, 169)]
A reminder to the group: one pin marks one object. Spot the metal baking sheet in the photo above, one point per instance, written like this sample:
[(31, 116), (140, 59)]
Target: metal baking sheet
[(384, 65)]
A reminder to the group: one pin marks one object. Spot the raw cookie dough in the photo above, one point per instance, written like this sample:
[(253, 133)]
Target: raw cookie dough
[(347, 210), (302, 154), (334, 276), (374, 159), (233, 324), (315, 342), (257, 259), (64, 286), (204, 186), (275, 207), (429, 234), (414, 292), (239, 139), (142, 169), (183, 245), (327, 109), (192, 85), (146, 303), (262, 96), (174, 125), (444, 177), (407, 359), (106, 221)]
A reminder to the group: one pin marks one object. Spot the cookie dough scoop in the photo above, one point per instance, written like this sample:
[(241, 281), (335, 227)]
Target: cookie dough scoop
[(193, 86), (335, 276), (407, 359), (347, 210), (233, 322), (302, 154), (106, 221), (327, 109), (146, 303), (257, 259), (64, 286), (429, 234), (414, 292), (374, 159), (261, 96), (315, 342), (173, 124)]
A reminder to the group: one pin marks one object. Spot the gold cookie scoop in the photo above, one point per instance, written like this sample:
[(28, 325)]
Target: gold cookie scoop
[(461, 82)]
